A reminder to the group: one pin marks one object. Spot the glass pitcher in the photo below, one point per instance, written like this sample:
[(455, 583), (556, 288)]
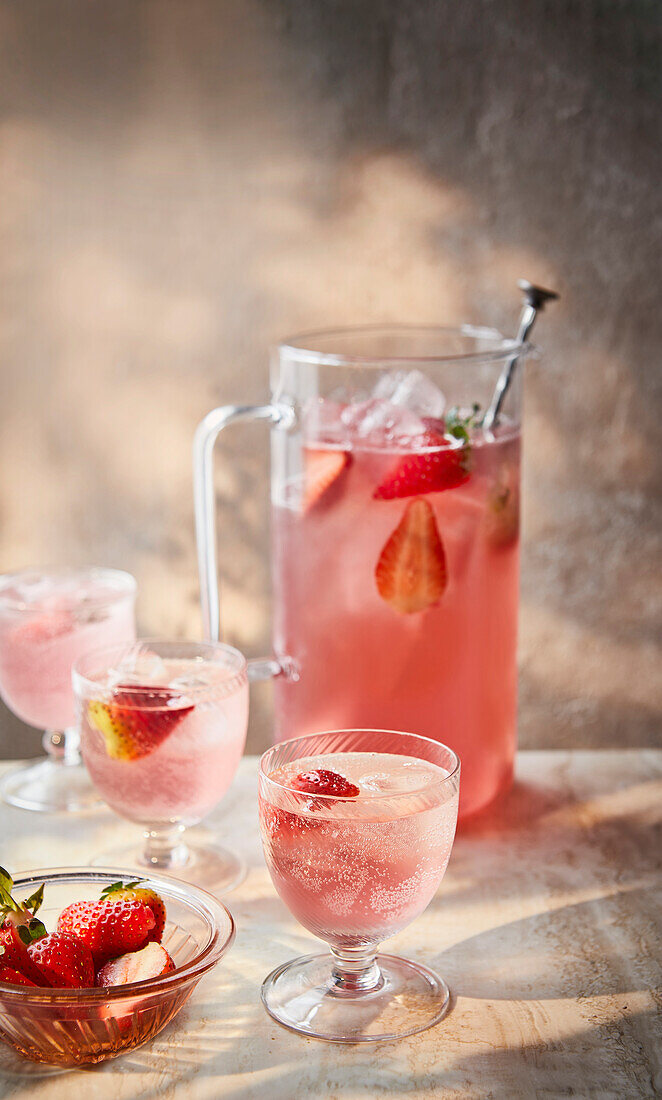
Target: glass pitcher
[(395, 538)]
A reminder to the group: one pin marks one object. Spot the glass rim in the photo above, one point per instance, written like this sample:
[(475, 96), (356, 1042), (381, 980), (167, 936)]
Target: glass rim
[(92, 571), (83, 681), (204, 902), (296, 347), (384, 796)]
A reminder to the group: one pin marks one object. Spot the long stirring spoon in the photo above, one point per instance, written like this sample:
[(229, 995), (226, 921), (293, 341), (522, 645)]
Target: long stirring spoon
[(535, 298)]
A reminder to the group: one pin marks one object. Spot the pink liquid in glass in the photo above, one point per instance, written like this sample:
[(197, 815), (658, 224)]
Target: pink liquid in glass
[(355, 871), (48, 621), (186, 774), (446, 671)]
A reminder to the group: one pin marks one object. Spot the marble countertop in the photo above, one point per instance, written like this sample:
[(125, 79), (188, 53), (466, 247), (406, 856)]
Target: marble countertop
[(547, 928)]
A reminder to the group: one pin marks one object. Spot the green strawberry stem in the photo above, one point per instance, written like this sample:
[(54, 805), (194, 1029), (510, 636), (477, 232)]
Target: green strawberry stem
[(459, 426), (115, 886)]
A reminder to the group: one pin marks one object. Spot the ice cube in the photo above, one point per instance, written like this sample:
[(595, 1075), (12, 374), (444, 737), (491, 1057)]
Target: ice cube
[(378, 783), (411, 390), (138, 669), (323, 421), (381, 423)]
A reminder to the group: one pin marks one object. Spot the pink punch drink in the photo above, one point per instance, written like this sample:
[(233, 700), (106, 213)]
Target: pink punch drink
[(357, 829), (163, 726), (395, 474), (162, 736), (357, 870), (397, 558), (47, 621)]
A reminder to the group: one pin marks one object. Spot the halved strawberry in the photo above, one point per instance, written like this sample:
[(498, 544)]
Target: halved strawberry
[(14, 977), (137, 720), (323, 781), (64, 960), (427, 471), (321, 469), (137, 966), (109, 928), (411, 573), (145, 894)]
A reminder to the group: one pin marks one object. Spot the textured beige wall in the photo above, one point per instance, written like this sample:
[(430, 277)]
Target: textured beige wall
[(182, 181)]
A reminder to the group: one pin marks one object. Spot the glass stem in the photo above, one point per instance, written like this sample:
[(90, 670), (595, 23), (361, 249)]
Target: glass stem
[(63, 746), (355, 970), (164, 847)]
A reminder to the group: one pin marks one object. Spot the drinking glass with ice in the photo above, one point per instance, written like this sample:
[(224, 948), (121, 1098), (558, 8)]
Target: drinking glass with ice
[(357, 829), (163, 728), (49, 618)]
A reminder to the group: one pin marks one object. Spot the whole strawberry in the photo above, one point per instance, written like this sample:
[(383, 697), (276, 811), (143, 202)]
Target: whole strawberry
[(109, 928), (145, 894), (64, 960)]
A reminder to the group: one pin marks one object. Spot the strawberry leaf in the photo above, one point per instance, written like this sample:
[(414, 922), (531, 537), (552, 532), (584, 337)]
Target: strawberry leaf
[(35, 900), (28, 933), (6, 881), (115, 886), (7, 903), (459, 423)]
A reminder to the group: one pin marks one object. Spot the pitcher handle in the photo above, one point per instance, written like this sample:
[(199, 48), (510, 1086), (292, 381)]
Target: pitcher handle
[(207, 433)]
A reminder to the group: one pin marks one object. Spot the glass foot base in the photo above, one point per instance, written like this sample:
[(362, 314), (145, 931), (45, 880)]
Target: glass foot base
[(50, 788), (207, 865), (301, 995)]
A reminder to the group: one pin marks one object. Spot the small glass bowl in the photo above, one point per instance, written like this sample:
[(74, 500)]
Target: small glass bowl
[(68, 1027)]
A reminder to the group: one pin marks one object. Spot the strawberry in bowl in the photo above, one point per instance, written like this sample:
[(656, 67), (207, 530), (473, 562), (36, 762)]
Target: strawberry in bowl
[(121, 958)]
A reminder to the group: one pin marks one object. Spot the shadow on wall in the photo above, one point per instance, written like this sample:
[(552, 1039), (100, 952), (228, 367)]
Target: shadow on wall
[(187, 182)]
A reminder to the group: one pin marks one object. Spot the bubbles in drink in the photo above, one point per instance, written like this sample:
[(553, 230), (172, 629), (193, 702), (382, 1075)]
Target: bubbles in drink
[(357, 869)]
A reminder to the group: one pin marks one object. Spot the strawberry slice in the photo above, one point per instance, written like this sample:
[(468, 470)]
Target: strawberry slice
[(321, 470), (323, 781), (411, 573), (138, 720), (152, 961), (430, 471)]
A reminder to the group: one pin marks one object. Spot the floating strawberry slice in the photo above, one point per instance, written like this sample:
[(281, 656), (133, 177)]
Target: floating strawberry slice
[(321, 470), (152, 961), (411, 573), (429, 471), (138, 720), (322, 781)]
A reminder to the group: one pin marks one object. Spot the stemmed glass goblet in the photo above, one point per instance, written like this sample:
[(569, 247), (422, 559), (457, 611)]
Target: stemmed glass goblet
[(163, 727), (48, 618), (357, 829)]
